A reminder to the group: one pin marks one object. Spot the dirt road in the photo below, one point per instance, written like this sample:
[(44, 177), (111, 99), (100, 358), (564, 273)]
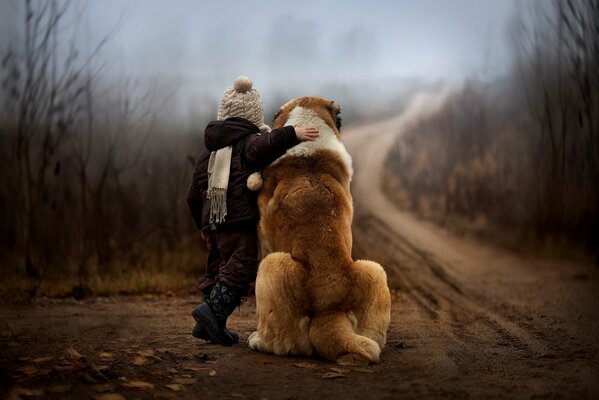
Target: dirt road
[(482, 321), (468, 321)]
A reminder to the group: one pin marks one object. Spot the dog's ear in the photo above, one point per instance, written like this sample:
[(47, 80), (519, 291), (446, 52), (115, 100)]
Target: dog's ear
[(335, 111), (277, 115)]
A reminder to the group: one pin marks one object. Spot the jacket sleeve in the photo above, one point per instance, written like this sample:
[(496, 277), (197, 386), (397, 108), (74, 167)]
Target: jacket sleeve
[(199, 183), (261, 150)]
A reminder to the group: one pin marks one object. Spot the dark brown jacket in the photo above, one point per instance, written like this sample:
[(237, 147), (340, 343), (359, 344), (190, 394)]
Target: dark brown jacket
[(252, 152)]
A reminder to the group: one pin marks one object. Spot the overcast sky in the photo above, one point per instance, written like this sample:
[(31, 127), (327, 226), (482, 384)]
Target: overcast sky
[(426, 38), (201, 46)]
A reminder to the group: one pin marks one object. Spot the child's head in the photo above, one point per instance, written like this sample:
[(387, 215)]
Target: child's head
[(243, 101)]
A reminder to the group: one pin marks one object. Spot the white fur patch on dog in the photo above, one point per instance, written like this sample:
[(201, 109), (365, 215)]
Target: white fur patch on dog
[(327, 140)]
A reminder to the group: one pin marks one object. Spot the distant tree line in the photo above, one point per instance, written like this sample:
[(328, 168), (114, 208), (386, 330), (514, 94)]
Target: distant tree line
[(521, 152), (92, 183)]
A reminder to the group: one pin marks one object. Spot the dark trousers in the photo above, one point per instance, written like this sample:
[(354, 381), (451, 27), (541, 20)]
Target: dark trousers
[(232, 259)]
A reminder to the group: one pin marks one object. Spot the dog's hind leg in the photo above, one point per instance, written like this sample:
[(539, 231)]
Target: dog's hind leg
[(333, 336), (371, 300), (358, 335), (281, 307)]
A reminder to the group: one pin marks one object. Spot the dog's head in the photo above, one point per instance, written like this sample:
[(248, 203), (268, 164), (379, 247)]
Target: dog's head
[(327, 110)]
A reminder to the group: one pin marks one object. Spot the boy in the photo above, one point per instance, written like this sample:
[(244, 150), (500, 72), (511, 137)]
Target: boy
[(225, 210)]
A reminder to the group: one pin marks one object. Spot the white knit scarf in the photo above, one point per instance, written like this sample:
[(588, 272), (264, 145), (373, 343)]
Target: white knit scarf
[(219, 167)]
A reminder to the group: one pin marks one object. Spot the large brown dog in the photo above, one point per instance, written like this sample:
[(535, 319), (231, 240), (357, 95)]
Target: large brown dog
[(311, 297)]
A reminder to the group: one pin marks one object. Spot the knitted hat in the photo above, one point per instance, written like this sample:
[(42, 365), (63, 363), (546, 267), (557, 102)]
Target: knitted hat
[(242, 100)]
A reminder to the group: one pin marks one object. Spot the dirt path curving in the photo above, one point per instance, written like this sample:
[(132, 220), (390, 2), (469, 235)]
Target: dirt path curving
[(496, 324), (468, 321)]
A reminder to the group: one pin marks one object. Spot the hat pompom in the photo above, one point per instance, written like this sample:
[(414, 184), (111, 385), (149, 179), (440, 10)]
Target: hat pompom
[(254, 181), (242, 84)]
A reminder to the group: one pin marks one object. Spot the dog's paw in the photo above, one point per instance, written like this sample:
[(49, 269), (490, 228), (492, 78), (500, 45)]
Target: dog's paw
[(371, 347), (254, 341), (369, 352)]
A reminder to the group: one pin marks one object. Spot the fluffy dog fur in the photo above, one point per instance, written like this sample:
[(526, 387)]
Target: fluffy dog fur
[(311, 297)]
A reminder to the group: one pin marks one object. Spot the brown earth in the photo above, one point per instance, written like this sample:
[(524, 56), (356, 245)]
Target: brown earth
[(468, 321)]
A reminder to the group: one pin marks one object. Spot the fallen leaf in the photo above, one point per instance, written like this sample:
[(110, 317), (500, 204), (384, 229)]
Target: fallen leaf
[(195, 369), (106, 387), (340, 370), (138, 385), (146, 353), (141, 360), (58, 388), (72, 354), (87, 378), (42, 359), (171, 370), (363, 370), (18, 393), (163, 350), (350, 360), (63, 368), (306, 365), (109, 396), (28, 370), (205, 357), (106, 356), (75, 358), (157, 373), (332, 375), (97, 372), (175, 387), (44, 371), (185, 381), (212, 373)]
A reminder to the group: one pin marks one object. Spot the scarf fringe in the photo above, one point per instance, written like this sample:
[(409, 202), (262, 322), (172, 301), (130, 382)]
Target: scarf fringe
[(218, 204), (219, 167)]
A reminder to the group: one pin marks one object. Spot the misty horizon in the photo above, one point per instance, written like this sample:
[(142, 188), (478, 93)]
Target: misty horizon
[(192, 52)]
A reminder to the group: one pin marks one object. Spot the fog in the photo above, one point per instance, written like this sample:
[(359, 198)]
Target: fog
[(355, 52), (104, 104)]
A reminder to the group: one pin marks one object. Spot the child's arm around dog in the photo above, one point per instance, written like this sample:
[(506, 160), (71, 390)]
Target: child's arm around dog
[(263, 149), (259, 150)]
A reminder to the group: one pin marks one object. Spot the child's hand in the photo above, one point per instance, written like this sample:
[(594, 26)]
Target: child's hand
[(306, 134), (203, 236)]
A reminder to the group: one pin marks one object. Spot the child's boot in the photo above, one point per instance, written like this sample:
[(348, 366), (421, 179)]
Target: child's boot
[(211, 316), (199, 331), (208, 327)]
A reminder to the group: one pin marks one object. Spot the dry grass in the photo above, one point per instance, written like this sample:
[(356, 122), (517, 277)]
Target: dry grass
[(479, 227), (174, 273), (480, 167)]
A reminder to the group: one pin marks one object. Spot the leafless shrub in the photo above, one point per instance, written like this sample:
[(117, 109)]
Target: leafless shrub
[(92, 186), (522, 152)]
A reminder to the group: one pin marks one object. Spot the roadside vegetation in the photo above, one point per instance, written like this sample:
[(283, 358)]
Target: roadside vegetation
[(516, 160), (93, 188)]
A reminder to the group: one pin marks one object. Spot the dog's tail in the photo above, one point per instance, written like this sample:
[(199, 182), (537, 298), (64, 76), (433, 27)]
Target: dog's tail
[(333, 336)]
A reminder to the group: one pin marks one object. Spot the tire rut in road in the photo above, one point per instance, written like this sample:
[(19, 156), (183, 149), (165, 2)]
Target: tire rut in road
[(440, 297)]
